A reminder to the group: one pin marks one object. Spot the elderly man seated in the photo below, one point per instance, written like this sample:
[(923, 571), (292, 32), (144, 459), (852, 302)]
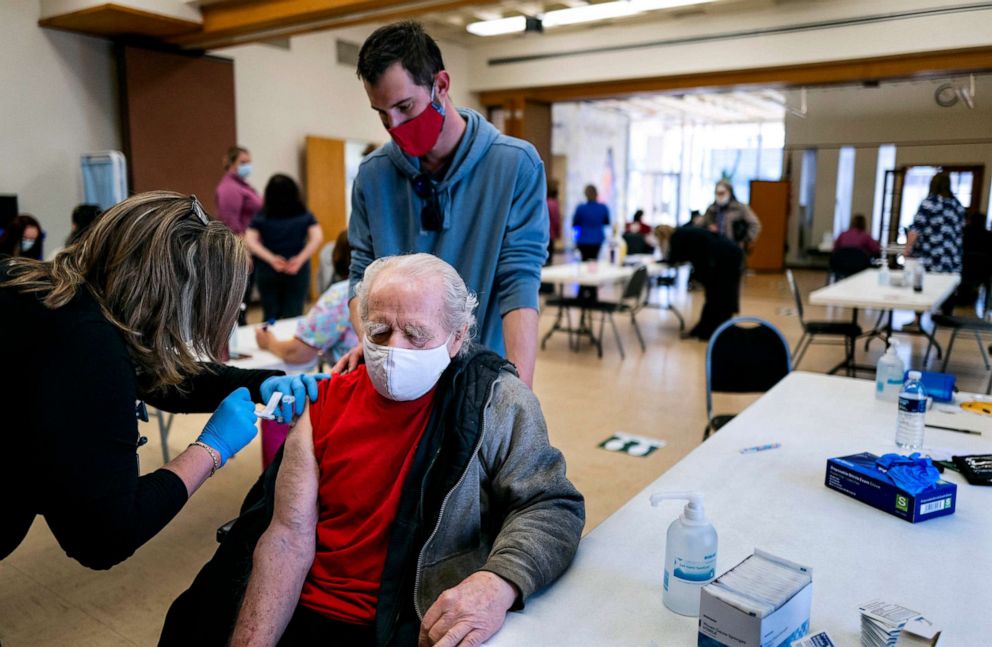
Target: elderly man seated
[(418, 499)]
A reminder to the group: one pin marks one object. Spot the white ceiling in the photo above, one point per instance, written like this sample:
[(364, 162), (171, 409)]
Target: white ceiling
[(450, 25)]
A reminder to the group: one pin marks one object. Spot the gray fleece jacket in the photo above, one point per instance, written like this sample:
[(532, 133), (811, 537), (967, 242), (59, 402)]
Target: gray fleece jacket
[(513, 512)]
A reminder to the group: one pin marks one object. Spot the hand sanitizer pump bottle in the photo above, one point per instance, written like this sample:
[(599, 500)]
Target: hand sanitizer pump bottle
[(690, 554)]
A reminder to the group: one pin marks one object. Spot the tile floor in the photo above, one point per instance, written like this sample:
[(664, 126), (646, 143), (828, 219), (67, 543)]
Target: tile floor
[(48, 600)]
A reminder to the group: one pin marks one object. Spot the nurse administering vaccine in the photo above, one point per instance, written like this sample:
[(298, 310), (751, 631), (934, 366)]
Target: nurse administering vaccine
[(123, 315)]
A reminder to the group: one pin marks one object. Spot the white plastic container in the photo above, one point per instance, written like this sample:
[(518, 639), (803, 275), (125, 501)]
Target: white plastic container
[(690, 554), (888, 374), (884, 277)]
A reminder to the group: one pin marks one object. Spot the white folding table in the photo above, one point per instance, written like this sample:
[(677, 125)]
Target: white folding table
[(776, 500), (863, 290), (596, 274), (587, 274)]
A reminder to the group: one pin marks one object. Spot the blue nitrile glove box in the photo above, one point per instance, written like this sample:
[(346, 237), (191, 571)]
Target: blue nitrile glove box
[(857, 477), (939, 386)]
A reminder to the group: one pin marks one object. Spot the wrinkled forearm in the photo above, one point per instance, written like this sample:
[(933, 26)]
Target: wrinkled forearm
[(520, 335), (280, 565)]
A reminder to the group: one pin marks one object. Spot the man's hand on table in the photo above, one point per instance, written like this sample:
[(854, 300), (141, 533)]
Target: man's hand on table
[(468, 614)]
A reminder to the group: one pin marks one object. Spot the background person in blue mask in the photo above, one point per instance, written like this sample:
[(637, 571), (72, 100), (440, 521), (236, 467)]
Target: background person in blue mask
[(238, 202), (126, 315), (451, 185), (589, 222)]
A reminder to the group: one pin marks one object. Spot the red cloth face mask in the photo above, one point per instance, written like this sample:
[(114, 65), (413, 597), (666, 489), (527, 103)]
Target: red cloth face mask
[(417, 136)]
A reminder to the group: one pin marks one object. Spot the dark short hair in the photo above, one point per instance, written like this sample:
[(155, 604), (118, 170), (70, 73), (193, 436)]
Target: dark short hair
[(282, 198), (859, 222), (406, 42), (84, 215)]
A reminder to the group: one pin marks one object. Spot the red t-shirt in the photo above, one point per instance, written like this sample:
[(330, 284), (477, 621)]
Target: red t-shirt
[(364, 444)]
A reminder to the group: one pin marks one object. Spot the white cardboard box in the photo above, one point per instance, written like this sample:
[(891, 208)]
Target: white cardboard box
[(724, 625)]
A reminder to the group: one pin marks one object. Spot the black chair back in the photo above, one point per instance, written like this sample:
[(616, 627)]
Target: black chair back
[(749, 358), (848, 261), (636, 285), (637, 243)]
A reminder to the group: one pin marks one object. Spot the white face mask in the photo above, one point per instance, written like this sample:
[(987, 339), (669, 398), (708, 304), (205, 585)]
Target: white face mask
[(723, 199), (405, 374)]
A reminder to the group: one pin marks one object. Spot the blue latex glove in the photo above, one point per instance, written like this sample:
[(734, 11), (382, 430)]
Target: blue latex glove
[(232, 426), (910, 473), (300, 386)]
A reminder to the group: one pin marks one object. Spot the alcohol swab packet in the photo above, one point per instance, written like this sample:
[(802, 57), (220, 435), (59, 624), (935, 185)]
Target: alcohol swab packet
[(821, 639)]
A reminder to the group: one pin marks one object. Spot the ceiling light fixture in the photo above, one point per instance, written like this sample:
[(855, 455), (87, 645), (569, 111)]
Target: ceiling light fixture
[(498, 27), (577, 15)]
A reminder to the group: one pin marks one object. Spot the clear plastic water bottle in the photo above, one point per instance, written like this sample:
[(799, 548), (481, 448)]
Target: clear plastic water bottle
[(918, 271), (912, 413)]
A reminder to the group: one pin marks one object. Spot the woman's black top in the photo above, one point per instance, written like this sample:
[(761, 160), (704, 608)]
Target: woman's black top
[(284, 237), (69, 434)]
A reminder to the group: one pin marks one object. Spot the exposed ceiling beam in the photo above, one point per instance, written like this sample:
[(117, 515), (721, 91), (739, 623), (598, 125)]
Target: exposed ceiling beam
[(237, 23), (901, 66)]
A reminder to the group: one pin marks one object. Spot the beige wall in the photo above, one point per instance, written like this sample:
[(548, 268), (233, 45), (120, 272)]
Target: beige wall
[(58, 100), (283, 95)]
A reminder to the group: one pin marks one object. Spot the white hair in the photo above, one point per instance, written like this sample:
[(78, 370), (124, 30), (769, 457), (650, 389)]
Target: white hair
[(459, 303)]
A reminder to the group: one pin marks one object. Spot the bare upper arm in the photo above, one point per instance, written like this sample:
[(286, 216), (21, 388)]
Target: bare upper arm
[(298, 480)]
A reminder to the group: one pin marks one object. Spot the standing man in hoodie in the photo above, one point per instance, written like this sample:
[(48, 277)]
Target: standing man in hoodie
[(451, 185)]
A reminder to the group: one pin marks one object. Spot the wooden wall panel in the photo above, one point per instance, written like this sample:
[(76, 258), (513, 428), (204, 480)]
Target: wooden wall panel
[(325, 188), (770, 201), (179, 119)]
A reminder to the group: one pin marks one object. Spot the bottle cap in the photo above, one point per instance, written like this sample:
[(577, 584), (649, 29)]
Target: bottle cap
[(915, 375)]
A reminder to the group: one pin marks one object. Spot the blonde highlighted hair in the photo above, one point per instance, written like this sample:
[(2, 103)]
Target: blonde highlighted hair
[(170, 278)]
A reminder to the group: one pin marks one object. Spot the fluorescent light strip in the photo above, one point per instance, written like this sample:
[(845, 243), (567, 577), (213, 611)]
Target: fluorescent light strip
[(577, 15), (588, 13), (498, 27)]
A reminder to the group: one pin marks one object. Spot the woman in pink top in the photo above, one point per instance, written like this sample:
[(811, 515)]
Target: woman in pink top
[(857, 236), (237, 201)]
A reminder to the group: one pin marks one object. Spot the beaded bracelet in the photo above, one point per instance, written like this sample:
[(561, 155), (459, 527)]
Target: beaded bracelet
[(214, 456)]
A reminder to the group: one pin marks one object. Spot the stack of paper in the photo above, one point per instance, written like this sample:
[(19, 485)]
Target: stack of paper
[(882, 622), (760, 584)]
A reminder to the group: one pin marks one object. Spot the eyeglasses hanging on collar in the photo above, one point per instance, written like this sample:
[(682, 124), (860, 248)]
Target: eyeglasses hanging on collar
[(431, 216), (198, 211)]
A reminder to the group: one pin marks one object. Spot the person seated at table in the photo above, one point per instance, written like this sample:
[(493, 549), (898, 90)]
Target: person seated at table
[(418, 500), (23, 238), (858, 237), (326, 328), (636, 224), (717, 263)]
